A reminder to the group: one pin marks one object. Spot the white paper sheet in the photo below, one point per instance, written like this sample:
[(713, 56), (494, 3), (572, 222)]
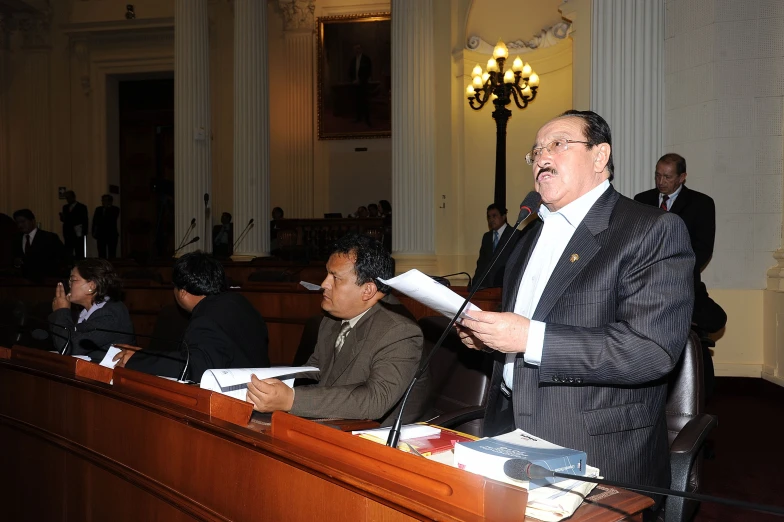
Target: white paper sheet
[(234, 381), (409, 431), (310, 286), (107, 360), (427, 291)]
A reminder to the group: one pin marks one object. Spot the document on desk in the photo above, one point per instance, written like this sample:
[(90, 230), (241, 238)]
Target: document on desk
[(108, 359), (234, 381), (427, 291)]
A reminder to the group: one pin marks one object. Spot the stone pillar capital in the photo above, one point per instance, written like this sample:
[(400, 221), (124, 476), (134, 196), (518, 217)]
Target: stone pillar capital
[(298, 15)]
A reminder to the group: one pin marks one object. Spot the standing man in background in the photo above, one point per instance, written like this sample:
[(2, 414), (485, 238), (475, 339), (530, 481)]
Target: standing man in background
[(105, 227), (74, 218), (496, 237)]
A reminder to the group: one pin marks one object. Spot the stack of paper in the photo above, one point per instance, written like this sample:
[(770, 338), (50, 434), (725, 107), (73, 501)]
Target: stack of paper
[(234, 381), (427, 291)]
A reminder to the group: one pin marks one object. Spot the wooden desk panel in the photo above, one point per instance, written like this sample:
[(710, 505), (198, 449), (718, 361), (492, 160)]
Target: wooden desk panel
[(82, 450)]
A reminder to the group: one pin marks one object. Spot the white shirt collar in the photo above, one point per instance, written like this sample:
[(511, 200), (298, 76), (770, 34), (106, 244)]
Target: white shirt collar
[(501, 230), (575, 212), (86, 313), (354, 320), (31, 234), (673, 195)]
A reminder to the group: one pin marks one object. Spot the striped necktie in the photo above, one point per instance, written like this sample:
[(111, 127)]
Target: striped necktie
[(663, 205), (345, 328), (495, 239)]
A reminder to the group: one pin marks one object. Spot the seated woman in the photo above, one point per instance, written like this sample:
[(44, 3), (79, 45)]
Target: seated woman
[(95, 286)]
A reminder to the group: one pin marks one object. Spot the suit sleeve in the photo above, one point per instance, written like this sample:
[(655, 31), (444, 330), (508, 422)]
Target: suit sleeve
[(393, 366), (704, 234), (84, 339), (654, 299)]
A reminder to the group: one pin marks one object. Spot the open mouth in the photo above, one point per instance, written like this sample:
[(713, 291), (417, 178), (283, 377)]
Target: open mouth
[(545, 175)]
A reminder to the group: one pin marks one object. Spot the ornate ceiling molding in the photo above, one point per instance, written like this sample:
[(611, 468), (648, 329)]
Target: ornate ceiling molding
[(545, 38), (298, 14)]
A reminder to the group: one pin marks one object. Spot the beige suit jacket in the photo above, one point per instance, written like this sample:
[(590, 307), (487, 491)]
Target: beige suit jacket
[(369, 375)]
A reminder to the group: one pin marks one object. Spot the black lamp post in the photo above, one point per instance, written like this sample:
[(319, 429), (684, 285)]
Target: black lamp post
[(519, 84)]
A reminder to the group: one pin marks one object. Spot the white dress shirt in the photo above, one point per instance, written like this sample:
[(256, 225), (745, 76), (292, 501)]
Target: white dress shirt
[(500, 233), (32, 237), (87, 312), (558, 230), (671, 200)]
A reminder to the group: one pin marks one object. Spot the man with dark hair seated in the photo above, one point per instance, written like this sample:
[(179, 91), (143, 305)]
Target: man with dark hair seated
[(367, 352), (37, 252), (224, 330)]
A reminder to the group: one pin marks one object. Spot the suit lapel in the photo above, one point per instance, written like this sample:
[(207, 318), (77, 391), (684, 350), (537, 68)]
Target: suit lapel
[(584, 245), (521, 255), (681, 201), (351, 346)]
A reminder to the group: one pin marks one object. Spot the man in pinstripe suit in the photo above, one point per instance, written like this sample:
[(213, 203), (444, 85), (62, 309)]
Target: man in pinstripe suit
[(597, 302)]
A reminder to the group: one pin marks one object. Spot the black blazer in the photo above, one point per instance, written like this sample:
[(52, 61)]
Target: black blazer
[(71, 218), (43, 258), (365, 68), (224, 331), (86, 341), (611, 338), (698, 211), (105, 222), (496, 276)]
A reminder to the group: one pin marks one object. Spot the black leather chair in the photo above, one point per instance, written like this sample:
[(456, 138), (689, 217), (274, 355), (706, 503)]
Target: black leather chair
[(459, 380), (687, 426), (169, 329)]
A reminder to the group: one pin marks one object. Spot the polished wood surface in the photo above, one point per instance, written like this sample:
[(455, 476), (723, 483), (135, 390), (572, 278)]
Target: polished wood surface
[(78, 449)]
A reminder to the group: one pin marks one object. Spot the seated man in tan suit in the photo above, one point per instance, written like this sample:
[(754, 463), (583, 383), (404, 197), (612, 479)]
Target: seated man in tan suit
[(367, 352)]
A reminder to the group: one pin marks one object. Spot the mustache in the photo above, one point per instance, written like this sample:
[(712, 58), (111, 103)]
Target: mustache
[(546, 170)]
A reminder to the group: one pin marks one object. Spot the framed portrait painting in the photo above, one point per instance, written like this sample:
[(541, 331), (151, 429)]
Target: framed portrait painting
[(354, 76)]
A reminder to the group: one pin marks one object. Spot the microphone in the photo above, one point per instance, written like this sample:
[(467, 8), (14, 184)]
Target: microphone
[(525, 470), (192, 241), (242, 234), (206, 199), (187, 233), (444, 281), (529, 204), (41, 335)]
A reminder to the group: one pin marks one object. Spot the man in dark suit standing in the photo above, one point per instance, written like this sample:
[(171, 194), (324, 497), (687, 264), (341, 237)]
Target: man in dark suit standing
[(597, 301), (74, 218), (367, 352), (359, 73), (37, 252), (495, 238), (698, 211), (105, 227), (224, 331)]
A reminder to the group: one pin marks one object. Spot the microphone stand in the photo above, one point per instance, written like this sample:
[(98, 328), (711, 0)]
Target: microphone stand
[(532, 471), (525, 211), (192, 241), (206, 219), (187, 233), (242, 235)]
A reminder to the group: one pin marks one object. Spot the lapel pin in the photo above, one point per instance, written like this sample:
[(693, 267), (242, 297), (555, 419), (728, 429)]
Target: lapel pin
[(573, 258)]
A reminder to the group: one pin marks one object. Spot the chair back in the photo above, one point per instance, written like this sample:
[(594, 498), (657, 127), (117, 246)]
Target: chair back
[(459, 377), (170, 325), (685, 393)]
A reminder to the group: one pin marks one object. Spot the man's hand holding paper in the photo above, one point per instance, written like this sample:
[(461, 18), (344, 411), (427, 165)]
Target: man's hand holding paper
[(269, 394), (505, 332)]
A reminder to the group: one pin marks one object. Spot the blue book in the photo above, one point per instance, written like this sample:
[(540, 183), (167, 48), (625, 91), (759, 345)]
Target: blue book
[(487, 457)]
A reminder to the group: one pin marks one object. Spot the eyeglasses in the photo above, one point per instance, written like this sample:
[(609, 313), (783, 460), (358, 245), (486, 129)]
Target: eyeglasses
[(554, 147)]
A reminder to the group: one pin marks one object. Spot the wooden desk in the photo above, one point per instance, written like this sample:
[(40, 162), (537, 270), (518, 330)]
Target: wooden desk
[(79, 449)]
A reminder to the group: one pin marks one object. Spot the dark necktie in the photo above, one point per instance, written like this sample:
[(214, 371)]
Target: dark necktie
[(495, 239), (663, 205), (27, 243)]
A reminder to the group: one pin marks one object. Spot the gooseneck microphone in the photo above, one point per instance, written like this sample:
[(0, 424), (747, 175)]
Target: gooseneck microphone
[(187, 233), (66, 346), (242, 234), (206, 219), (522, 469), (527, 207), (192, 241), (41, 335)]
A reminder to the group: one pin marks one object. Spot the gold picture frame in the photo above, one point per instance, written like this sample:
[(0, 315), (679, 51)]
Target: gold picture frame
[(354, 76)]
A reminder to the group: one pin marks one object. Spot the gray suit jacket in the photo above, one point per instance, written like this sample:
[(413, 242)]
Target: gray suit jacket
[(617, 321), (369, 375)]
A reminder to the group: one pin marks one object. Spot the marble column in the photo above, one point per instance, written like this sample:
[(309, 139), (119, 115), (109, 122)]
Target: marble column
[(192, 129), (251, 129), (627, 86), (413, 136), (300, 40)]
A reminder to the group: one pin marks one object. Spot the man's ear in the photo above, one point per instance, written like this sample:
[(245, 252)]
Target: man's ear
[(369, 291), (602, 156)]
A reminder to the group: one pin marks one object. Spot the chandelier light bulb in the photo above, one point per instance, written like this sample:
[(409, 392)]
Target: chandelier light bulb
[(517, 65), (500, 50), (533, 80), (470, 91), (527, 70), (509, 77), (492, 65), (527, 92), (477, 82), (477, 71), (485, 77)]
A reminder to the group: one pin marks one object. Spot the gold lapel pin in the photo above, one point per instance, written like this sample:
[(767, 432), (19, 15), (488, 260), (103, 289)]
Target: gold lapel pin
[(573, 258)]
